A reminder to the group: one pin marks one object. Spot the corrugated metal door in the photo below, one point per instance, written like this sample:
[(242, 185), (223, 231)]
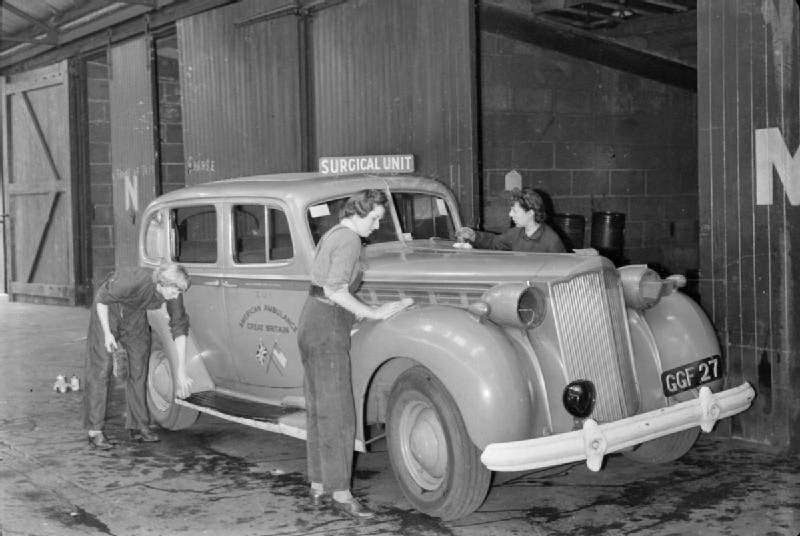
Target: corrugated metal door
[(398, 77), (133, 153), (37, 171), (241, 91)]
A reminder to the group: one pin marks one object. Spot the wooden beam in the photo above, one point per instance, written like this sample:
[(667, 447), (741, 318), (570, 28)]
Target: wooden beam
[(27, 16), (586, 45), (50, 35), (37, 56), (35, 38), (667, 5), (148, 3), (39, 244), (40, 134), (42, 289)]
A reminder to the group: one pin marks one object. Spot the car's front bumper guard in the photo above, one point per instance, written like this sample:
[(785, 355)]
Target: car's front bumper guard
[(596, 440)]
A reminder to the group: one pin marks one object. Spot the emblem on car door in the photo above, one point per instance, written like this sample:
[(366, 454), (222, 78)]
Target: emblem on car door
[(266, 357)]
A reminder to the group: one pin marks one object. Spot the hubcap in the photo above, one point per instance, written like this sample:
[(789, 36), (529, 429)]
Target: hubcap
[(160, 384), (423, 444)]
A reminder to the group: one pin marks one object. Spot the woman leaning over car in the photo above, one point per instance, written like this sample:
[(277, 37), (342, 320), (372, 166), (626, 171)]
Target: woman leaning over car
[(530, 232), (324, 340)]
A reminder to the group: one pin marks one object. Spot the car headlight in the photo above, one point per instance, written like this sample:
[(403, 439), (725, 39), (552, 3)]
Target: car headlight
[(515, 304), (641, 286)]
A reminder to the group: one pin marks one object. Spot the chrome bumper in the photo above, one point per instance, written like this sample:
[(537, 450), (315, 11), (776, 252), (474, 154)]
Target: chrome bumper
[(596, 440)]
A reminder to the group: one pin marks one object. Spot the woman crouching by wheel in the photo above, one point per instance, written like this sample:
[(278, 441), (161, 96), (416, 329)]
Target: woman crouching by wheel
[(324, 339)]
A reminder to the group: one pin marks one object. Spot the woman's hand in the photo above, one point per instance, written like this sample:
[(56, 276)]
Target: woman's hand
[(465, 233), (390, 309), (110, 342), (183, 384)]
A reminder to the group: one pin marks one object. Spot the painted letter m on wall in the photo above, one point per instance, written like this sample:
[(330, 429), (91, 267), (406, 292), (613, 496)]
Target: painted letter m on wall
[(771, 151)]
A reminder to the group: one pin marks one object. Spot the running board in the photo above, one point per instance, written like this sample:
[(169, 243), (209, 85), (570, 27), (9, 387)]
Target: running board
[(288, 421)]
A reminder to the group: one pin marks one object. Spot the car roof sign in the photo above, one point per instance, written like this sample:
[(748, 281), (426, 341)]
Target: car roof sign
[(384, 163)]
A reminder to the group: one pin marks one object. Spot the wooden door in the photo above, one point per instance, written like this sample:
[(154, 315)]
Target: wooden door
[(38, 186), (133, 146)]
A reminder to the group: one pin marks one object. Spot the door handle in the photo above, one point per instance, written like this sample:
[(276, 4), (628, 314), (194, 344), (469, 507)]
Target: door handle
[(228, 284), (211, 283)]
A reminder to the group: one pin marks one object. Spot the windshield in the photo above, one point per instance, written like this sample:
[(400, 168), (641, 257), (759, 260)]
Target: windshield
[(421, 215)]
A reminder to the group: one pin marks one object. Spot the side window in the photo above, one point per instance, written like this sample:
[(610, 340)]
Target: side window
[(154, 237), (261, 234), (194, 234)]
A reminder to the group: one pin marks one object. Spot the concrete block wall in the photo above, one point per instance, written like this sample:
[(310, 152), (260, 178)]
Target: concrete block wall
[(593, 139), (171, 123), (102, 218)]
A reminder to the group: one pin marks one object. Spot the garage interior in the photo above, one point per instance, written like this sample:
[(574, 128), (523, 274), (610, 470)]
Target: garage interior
[(647, 108)]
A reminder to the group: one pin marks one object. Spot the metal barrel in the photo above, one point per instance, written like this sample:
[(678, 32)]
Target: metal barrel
[(608, 237), (570, 227)]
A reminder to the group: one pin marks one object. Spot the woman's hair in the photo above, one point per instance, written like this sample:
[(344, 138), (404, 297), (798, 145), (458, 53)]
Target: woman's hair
[(528, 199), (170, 274), (363, 203)]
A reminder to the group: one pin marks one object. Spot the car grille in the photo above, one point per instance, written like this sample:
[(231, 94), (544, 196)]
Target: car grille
[(593, 336), (373, 294)]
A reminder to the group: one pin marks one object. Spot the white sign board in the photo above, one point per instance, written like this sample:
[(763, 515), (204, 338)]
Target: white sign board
[(384, 163), (772, 152)]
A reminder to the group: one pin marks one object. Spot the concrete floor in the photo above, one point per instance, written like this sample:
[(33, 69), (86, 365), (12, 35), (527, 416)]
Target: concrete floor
[(221, 478)]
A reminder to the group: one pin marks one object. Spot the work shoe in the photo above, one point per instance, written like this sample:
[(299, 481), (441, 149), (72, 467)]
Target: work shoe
[(352, 508), (100, 442), (143, 435), (317, 498)]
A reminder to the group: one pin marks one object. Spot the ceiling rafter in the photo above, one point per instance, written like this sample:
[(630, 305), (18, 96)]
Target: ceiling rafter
[(148, 3), (50, 35)]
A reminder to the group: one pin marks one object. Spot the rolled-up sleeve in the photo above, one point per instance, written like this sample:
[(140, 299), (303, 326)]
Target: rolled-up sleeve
[(343, 259), (178, 319)]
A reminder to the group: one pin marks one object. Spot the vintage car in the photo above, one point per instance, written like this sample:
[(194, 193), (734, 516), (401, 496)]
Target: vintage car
[(506, 361)]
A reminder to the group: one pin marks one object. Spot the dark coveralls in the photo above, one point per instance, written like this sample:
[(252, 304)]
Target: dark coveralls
[(324, 341), (128, 293)]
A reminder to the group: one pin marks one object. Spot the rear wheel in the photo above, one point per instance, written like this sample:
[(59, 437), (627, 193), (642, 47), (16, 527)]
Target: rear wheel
[(436, 464), (161, 395), (664, 449)]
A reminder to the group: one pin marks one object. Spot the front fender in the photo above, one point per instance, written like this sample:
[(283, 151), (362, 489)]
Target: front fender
[(162, 335), (475, 361), (674, 332)]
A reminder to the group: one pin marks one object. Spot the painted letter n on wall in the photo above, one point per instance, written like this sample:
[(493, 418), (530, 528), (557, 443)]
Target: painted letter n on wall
[(771, 151)]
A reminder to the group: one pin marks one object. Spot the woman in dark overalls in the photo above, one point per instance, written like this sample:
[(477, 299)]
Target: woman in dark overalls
[(324, 340)]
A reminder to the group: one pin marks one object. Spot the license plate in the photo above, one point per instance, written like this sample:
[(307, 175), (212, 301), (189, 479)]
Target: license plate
[(691, 375)]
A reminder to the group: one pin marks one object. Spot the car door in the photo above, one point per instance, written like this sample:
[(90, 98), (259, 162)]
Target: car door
[(196, 242), (265, 289)]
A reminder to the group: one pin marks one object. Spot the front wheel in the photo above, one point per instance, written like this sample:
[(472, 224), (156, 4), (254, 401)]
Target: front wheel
[(161, 394), (434, 460)]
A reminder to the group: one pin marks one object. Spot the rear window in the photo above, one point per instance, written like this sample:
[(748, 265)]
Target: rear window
[(261, 234), (194, 234)]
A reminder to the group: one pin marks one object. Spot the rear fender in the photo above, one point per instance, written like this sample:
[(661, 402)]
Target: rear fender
[(162, 336), (476, 362), (672, 333)]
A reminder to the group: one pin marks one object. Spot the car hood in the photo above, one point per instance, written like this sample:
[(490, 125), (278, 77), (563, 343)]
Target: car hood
[(426, 263)]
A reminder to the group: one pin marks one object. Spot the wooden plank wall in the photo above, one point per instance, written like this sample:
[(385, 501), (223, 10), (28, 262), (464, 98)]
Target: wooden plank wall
[(241, 92), (133, 155), (749, 79), (398, 77)]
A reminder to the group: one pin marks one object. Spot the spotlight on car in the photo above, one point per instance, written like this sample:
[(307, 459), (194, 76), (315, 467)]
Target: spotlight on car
[(579, 397)]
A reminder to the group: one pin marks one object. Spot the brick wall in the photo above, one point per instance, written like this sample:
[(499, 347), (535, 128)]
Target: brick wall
[(593, 139), (170, 117), (102, 219)]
